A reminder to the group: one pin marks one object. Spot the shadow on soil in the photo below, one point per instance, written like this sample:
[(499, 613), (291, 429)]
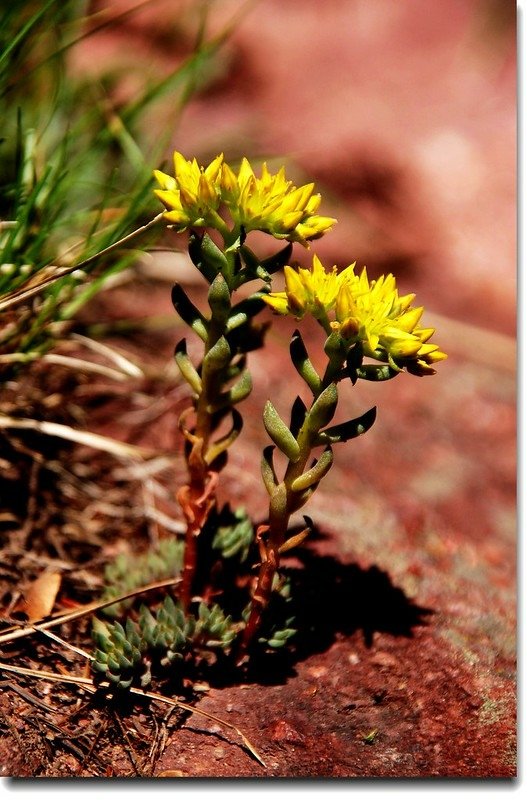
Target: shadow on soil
[(328, 599)]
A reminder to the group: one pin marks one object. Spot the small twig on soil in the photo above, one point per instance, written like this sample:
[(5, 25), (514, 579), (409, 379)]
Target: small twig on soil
[(82, 611), (89, 685), (30, 698), (67, 645), (77, 364), (129, 748), (95, 440)]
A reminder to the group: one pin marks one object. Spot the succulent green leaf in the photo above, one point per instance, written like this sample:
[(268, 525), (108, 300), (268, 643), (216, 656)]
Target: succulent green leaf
[(298, 416), (188, 312), (235, 538), (101, 660), (195, 251), (219, 299), (235, 368), (280, 433), (267, 467), (186, 367), (316, 473), (218, 356), (376, 372), (335, 348), (241, 388), (113, 664), (302, 363), (279, 260), (245, 310), (354, 362), (124, 662), (323, 408), (251, 261), (348, 430), (207, 256), (214, 259), (299, 499)]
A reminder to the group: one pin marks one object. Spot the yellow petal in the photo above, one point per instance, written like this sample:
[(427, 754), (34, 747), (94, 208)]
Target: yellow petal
[(166, 182), (169, 199), (214, 169), (177, 217), (277, 301), (409, 320), (228, 179), (293, 282), (290, 220), (245, 173), (404, 348)]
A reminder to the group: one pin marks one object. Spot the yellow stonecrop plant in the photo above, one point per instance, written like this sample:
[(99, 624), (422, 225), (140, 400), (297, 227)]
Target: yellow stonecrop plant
[(363, 320)]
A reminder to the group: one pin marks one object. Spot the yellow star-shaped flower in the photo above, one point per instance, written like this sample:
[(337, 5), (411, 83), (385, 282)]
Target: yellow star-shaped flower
[(192, 196)]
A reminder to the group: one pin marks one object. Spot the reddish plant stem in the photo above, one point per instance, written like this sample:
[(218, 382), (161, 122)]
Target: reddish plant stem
[(197, 499), (260, 601), (277, 529)]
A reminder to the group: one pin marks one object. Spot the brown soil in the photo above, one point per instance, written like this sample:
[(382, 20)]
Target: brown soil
[(405, 666)]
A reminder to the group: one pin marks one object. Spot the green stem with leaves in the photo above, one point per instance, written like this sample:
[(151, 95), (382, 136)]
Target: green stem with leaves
[(221, 381), (298, 484)]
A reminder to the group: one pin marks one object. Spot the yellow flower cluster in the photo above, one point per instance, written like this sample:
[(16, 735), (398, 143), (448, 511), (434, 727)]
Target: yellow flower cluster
[(370, 312), (312, 291), (196, 196), (193, 196)]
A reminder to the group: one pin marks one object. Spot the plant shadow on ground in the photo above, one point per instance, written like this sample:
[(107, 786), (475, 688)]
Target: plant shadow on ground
[(328, 599)]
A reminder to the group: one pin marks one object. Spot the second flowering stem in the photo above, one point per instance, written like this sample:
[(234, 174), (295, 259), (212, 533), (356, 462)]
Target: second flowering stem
[(297, 442)]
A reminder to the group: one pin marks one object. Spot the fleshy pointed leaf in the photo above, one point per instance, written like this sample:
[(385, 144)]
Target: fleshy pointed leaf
[(323, 409), (212, 256), (316, 473), (278, 261), (244, 310), (241, 388), (251, 261), (376, 372), (267, 467), (234, 395), (354, 362), (302, 364), (280, 433), (348, 430), (218, 356), (225, 442), (196, 256), (186, 367), (219, 299), (188, 312), (294, 541), (298, 416)]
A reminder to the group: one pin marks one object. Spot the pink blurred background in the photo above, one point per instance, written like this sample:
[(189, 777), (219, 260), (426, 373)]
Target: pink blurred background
[(404, 113)]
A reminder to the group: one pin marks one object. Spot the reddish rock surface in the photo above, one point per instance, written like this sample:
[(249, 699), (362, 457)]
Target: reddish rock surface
[(404, 113)]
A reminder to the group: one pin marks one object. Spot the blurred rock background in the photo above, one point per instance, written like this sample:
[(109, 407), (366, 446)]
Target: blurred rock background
[(404, 113)]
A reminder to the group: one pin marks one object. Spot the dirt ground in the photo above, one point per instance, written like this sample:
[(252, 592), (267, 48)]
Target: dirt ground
[(406, 662)]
